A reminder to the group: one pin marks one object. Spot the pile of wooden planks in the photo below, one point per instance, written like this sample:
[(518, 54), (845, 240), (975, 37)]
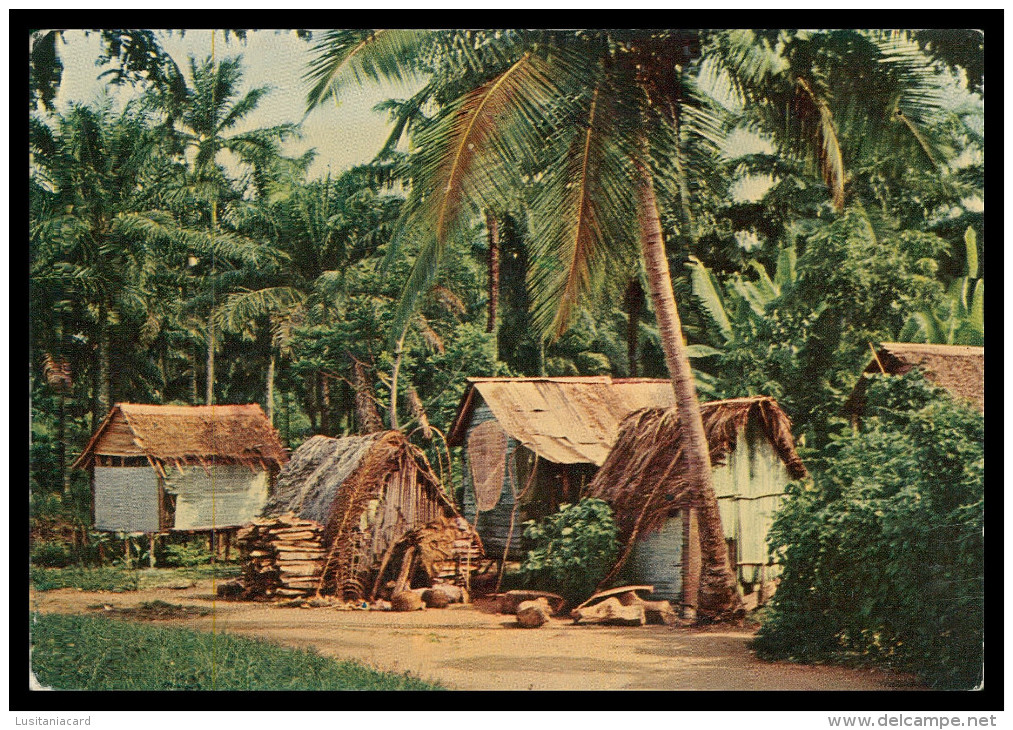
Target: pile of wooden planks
[(282, 557)]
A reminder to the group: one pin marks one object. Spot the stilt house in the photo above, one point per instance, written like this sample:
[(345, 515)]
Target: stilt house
[(531, 444), (194, 468), (752, 457)]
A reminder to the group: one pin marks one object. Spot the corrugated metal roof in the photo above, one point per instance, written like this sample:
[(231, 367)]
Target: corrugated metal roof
[(566, 420)]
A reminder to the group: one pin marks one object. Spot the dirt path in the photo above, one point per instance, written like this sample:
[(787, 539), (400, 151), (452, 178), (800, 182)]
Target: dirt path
[(466, 648)]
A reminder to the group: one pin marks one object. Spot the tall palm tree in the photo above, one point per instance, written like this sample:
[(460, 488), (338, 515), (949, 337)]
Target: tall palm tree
[(600, 122), (200, 120)]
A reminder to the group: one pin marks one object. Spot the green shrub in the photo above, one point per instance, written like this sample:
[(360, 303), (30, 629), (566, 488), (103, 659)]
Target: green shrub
[(87, 579), (883, 553), (571, 550), (188, 554), (50, 554)]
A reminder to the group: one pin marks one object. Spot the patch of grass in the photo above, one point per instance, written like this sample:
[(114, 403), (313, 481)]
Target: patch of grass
[(94, 653), (119, 579)]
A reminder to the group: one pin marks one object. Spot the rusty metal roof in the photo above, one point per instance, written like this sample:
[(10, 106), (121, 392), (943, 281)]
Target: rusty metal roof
[(566, 420)]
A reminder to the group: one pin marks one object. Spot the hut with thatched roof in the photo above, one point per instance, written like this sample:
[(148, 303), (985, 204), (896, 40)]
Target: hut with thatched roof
[(533, 443), (193, 468), (753, 458), (960, 369), (369, 492)]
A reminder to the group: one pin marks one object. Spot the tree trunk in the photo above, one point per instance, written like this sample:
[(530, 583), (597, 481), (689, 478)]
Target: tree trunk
[(211, 308), (718, 595), (100, 401), (270, 390), (61, 441), (365, 409), (493, 225), (211, 357), (398, 354), (325, 404), (634, 302)]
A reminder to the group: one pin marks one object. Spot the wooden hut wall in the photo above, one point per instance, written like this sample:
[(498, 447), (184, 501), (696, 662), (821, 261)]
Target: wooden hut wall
[(494, 525), (406, 503), (657, 560), (750, 487), (126, 498), (228, 496)]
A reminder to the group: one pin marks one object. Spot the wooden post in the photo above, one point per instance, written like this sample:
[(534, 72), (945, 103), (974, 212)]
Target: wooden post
[(211, 542), (228, 543), (692, 562), (151, 551), (126, 549)]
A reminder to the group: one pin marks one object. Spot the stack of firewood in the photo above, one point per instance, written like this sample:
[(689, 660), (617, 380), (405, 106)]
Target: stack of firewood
[(282, 557)]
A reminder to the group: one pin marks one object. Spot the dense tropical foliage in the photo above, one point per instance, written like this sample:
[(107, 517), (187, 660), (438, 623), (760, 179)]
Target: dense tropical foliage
[(543, 202), (884, 553)]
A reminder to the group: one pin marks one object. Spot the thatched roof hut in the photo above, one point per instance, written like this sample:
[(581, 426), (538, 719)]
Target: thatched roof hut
[(368, 492), (753, 457), (533, 443), (960, 369), (161, 468)]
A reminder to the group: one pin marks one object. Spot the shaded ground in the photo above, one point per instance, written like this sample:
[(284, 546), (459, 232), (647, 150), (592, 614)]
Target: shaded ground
[(465, 648)]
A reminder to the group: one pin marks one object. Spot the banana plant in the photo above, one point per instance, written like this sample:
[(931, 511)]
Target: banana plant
[(960, 318), (740, 299)]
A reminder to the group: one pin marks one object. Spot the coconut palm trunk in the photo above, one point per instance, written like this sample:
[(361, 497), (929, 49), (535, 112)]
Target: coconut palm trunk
[(493, 225), (717, 595)]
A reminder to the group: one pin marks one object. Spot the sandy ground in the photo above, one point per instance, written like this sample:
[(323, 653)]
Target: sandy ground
[(466, 648)]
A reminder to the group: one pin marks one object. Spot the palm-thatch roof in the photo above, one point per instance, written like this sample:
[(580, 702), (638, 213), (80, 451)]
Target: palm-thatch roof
[(960, 369), (643, 478), (177, 435), (367, 491), (565, 420)]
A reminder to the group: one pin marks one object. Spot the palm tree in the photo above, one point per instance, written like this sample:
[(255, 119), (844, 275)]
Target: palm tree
[(200, 119), (601, 123)]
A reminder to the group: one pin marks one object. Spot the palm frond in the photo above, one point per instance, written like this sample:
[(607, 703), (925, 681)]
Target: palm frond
[(240, 309), (816, 119), (708, 292), (344, 56), (582, 212), (470, 158)]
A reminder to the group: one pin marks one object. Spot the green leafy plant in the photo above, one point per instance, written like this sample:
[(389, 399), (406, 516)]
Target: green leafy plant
[(187, 554), (50, 554), (571, 550), (883, 554)]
